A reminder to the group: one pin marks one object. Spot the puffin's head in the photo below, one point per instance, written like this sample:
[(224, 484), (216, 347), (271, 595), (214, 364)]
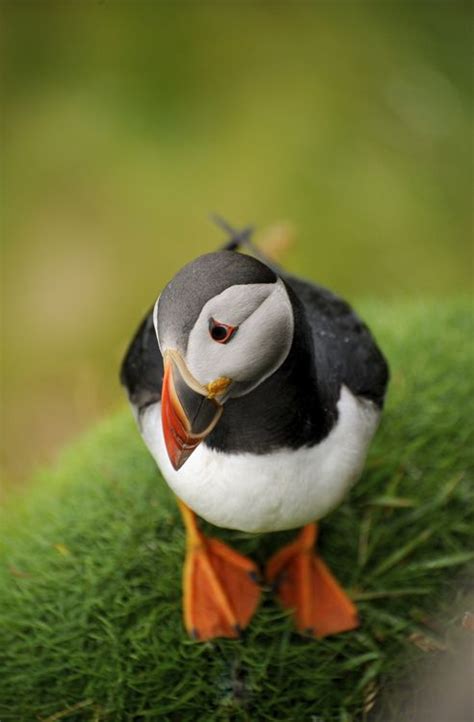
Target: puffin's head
[(224, 324)]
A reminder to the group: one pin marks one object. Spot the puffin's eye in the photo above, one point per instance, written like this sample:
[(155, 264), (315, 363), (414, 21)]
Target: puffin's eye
[(221, 332)]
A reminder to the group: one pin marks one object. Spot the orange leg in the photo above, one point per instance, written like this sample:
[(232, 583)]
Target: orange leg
[(305, 584), (221, 591)]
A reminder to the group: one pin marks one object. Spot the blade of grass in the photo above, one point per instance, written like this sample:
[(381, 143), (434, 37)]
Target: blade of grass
[(359, 660), (444, 562), (393, 502), (389, 593), (402, 553), (363, 545)]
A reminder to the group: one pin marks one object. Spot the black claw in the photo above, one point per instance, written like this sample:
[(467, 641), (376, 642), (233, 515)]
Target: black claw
[(309, 631), (238, 629), (255, 577), (275, 585), (194, 634)]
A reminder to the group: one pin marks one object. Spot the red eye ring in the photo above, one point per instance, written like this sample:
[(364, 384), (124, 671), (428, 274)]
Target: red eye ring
[(221, 332)]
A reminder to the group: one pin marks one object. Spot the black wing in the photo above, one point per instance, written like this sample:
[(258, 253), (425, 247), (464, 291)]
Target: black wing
[(345, 350), (142, 367)]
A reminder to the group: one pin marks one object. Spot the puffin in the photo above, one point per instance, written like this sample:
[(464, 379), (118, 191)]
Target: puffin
[(257, 394)]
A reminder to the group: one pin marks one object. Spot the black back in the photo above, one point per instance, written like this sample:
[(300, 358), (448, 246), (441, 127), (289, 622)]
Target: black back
[(296, 406), (345, 350)]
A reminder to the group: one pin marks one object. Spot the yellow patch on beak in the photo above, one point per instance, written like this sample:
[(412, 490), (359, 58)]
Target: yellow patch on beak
[(216, 387)]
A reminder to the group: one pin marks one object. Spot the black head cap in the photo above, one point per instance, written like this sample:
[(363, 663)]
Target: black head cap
[(206, 277)]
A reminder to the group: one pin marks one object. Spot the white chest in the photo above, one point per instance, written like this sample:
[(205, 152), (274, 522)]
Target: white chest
[(281, 490)]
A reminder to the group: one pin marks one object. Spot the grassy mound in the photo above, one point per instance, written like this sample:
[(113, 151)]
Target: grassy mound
[(91, 576)]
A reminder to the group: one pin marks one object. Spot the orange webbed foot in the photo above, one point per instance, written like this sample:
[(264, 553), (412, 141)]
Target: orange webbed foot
[(220, 586), (305, 584), (221, 591)]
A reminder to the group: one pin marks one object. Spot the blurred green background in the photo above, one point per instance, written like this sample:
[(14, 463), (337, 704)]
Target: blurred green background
[(125, 124)]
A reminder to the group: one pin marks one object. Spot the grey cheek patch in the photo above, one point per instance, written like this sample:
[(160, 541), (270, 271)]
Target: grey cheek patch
[(207, 359), (265, 319)]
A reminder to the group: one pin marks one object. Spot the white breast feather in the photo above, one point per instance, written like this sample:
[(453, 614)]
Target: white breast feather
[(271, 492)]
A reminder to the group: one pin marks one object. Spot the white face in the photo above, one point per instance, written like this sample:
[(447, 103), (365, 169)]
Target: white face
[(262, 317)]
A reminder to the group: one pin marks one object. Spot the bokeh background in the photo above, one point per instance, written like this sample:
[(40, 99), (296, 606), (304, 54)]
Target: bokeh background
[(126, 123)]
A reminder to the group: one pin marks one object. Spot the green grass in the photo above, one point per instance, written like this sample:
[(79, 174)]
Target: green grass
[(90, 603)]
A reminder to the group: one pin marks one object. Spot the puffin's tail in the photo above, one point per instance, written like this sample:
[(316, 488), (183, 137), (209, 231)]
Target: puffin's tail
[(239, 239)]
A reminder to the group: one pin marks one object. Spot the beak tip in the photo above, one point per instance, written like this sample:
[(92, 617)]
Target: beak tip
[(177, 463), (179, 458)]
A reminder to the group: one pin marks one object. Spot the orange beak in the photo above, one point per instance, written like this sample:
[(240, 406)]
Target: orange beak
[(189, 411)]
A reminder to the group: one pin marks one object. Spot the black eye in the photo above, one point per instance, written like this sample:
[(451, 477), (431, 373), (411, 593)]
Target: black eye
[(221, 332)]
